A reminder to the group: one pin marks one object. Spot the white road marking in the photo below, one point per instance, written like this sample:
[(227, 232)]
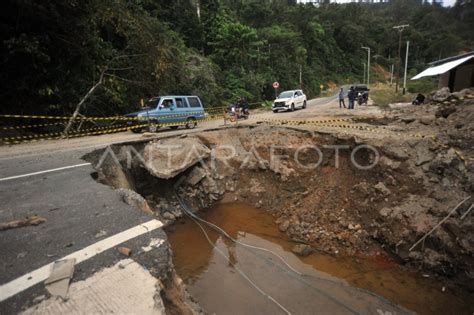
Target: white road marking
[(97, 146), (30, 279), (44, 172)]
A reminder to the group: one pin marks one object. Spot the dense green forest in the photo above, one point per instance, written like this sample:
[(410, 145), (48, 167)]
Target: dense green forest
[(54, 51)]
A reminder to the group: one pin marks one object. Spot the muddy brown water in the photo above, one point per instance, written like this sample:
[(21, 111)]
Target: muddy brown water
[(215, 275)]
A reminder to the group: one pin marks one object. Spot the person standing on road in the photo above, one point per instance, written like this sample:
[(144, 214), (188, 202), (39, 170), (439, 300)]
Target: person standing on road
[(341, 98), (351, 96)]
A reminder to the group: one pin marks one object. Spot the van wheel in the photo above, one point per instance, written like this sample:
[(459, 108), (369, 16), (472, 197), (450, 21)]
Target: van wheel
[(174, 127), (153, 126), (292, 108), (304, 104), (190, 123)]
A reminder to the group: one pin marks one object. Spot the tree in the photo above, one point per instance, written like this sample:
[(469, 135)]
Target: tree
[(53, 52)]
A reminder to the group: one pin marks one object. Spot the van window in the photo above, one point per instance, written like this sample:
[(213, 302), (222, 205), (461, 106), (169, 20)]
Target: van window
[(180, 102), (167, 103), (194, 102), (153, 102)]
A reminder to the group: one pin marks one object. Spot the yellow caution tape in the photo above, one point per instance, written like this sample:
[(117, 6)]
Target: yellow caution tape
[(94, 131), (459, 154), (438, 142), (56, 133), (80, 134), (32, 126), (365, 128), (308, 122), (99, 118), (329, 123), (82, 118)]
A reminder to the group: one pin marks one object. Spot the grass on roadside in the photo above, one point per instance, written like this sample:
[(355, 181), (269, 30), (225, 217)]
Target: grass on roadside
[(383, 95)]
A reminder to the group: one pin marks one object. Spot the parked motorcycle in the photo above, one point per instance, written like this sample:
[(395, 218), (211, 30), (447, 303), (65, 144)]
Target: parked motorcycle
[(362, 98), (235, 113)]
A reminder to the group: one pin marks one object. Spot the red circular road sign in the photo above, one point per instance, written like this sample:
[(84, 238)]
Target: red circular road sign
[(276, 85)]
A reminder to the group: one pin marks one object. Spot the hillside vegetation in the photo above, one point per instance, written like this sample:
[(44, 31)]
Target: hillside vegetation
[(53, 52)]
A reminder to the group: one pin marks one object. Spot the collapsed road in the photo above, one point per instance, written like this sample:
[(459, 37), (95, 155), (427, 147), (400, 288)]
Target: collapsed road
[(96, 200)]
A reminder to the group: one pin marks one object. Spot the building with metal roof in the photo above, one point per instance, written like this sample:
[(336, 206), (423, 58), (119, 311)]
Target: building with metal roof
[(455, 72)]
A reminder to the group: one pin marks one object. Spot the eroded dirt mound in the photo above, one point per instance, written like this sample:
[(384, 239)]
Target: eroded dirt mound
[(332, 192)]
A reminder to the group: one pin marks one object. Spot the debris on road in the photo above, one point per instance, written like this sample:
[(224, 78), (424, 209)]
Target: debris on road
[(61, 274), (100, 234), (125, 251), (154, 243), (34, 220)]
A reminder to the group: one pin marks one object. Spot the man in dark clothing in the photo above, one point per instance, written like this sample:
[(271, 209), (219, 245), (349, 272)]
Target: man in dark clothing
[(351, 96), (244, 104), (420, 99), (341, 98)]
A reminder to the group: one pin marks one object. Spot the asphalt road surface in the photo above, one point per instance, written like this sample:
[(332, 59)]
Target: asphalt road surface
[(80, 212), (50, 180)]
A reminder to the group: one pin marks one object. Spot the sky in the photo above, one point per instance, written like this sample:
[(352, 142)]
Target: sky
[(446, 3)]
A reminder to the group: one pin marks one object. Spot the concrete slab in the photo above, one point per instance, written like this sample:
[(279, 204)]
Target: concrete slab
[(125, 288)]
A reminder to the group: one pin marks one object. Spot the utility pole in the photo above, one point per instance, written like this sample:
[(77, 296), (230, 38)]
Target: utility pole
[(400, 29), (301, 77), (406, 65), (363, 80), (258, 58), (198, 9), (368, 65), (391, 74)]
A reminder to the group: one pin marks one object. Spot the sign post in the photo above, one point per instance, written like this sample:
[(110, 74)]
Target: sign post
[(276, 85)]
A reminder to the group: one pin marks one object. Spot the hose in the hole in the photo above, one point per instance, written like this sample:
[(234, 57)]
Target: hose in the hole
[(196, 218), (239, 270)]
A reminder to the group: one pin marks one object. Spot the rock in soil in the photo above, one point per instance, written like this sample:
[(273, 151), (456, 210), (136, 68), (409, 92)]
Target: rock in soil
[(168, 216), (302, 250), (441, 95), (284, 226), (196, 175), (134, 199)]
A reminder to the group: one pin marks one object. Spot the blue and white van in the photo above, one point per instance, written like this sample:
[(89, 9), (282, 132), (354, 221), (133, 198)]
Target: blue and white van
[(183, 110)]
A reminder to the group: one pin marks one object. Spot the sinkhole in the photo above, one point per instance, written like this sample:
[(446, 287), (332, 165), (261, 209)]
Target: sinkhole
[(305, 216)]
